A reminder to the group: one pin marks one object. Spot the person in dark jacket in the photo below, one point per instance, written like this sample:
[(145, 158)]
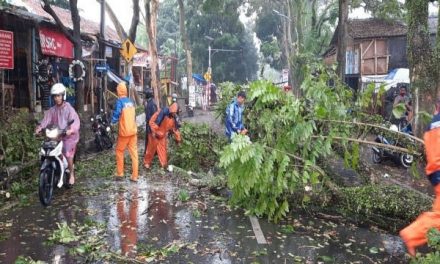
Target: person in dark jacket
[(150, 108)]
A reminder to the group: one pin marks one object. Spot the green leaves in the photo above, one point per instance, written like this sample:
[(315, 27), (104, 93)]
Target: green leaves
[(280, 156), (399, 110), (64, 234)]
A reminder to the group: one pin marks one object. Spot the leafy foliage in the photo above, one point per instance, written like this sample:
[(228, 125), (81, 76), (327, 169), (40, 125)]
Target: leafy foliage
[(282, 157), (199, 150), (366, 201), (17, 141), (219, 19), (434, 243)]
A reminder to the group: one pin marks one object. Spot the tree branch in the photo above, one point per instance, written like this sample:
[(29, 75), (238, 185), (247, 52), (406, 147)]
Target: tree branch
[(134, 21), (48, 8), (119, 29), (419, 140)]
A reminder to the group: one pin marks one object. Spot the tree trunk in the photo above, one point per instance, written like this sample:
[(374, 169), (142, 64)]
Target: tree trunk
[(342, 42), (123, 36), (76, 20), (185, 41), (134, 21), (422, 73), (151, 7), (75, 38)]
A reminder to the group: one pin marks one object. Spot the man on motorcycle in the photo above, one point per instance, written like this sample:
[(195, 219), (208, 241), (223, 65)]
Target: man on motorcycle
[(125, 114), (415, 234), (59, 114), (150, 109)]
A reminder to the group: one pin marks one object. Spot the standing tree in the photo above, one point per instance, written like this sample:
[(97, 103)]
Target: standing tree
[(75, 38), (123, 35), (342, 33), (422, 73), (186, 44), (151, 8)]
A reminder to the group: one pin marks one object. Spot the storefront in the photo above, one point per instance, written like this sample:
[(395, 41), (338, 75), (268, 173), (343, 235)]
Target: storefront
[(55, 54)]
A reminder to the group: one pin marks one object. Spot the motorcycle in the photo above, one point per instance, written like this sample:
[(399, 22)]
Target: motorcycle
[(103, 132), (189, 110), (54, 167), (380, 154)]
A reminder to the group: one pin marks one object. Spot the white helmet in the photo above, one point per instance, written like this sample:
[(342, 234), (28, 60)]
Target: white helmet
[(394, 128), (58, 88)]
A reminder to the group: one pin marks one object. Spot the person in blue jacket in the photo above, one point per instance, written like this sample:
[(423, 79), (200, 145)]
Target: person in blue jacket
[(234, 116)]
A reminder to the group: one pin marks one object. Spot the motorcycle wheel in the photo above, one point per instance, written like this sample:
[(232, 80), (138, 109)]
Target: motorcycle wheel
[(45, 188), (406, 160), (98, 143), (376, 157), (107, 142)]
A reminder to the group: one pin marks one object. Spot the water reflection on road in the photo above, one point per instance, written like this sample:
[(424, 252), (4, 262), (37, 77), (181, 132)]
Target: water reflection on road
[(146, 215)]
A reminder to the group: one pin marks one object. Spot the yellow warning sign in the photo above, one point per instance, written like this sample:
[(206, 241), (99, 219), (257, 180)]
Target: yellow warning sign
[(128, 50)]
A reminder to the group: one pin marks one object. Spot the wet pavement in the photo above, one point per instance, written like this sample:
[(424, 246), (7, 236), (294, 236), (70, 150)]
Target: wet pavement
[(161, 219), (161, 213)]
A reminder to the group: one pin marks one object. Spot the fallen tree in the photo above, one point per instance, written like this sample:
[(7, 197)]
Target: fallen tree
[(290, 137)]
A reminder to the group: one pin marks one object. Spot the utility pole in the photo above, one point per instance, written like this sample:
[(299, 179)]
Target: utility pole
[(103, 85)]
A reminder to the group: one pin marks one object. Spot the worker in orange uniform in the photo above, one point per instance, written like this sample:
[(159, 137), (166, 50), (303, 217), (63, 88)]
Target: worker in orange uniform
[(161, 123), (415, 234), (127, 136)]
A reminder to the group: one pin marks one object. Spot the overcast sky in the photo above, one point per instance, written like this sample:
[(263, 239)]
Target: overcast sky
[(90, 9)]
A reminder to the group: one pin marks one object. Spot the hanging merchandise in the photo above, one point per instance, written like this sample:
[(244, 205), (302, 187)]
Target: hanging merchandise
[(81, 75), (43, 72)]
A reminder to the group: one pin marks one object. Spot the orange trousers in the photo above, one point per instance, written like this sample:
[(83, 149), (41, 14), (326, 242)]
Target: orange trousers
[(123, 143), (128, 223), (159, 146), (415, 234)]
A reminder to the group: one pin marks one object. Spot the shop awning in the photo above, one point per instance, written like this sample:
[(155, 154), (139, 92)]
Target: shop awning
[(54, 43)]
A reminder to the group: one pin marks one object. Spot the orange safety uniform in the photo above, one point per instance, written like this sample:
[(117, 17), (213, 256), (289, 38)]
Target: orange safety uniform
[(159, 135), (415, 234), (127, 136)]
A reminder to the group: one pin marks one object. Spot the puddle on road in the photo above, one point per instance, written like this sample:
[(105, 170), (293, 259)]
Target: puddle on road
[(140, 217)]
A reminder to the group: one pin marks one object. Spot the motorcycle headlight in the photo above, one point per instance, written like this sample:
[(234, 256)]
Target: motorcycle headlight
[(92, 119), (52, 133), (107, 129)]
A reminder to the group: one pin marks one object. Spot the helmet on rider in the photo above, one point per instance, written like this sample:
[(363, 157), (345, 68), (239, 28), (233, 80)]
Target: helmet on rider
[(174, 97), (148, 93), (58, 89)]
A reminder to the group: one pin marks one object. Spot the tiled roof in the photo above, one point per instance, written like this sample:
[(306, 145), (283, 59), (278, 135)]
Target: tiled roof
[(88, 27)]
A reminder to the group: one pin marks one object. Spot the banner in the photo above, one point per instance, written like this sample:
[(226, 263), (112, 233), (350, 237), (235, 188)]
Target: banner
[(141, 59), (6, 50), (54, 43)]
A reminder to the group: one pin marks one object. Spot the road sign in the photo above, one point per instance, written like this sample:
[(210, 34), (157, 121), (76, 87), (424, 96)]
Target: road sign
[(6, 49), (128, 50), (101, 68), (207, 76)]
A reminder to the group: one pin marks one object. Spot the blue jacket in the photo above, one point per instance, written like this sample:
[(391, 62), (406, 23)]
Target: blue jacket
[(234, 118)]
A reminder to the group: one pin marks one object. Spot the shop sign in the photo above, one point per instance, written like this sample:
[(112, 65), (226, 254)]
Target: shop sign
[(54, 43), (6, 50), (141, 59)]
